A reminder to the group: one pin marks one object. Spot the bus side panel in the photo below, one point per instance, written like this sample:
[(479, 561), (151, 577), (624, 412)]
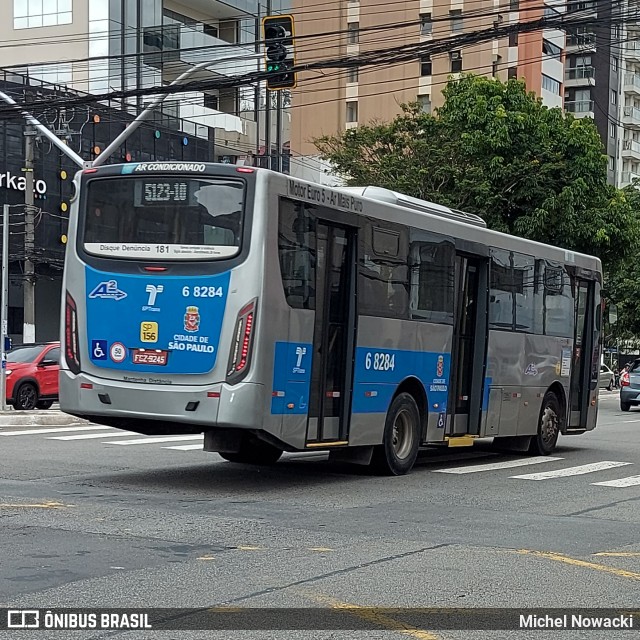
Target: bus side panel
[(523, 367), (389, 351)]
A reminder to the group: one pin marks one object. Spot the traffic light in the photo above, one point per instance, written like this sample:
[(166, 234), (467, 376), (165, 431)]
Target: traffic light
[(279, 34)]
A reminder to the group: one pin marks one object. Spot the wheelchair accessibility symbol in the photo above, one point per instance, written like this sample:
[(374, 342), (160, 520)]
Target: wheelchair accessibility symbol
[(98, 349)]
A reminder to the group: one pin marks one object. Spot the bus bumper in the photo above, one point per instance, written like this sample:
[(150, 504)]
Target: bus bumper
[(162, 409)]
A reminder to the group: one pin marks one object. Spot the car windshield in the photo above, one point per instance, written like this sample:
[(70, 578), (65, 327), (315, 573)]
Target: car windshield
[(24, 354), (635, 367)]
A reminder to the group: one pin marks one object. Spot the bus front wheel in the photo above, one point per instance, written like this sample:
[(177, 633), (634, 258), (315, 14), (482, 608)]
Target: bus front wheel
[(253, 452), (544, 442), (401, 439)]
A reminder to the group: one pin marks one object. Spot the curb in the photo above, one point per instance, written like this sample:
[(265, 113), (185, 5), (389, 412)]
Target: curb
[(38, 419)]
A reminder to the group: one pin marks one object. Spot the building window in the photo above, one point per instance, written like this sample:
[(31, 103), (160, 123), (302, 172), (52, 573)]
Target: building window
[(426, 24), (456, 61), (513, 39), (426, 66), (551, 50), (612, 130), (353, 33), (455, 15), (514, 5), (352, 75), (550, 84), (614, 97), (424, 101), (352, 111), (612, 163), (28, 14), (61, 74), (211, 102), (495, 65), (512, 73), (614, 63)]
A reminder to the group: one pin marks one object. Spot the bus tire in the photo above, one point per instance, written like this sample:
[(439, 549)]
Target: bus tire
[(401, 439), (544, 442), (253, 452)]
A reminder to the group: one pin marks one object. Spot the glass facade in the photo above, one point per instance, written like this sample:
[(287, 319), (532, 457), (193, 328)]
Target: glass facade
[(29, 14)]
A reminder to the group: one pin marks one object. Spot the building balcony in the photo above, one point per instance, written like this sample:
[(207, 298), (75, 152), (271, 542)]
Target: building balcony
[(627, 178), (581, 42), (187, 107), (631, 117), (579, 76), (176, 47), (632, 51), (580, 108), (631, 83), (631, 150)]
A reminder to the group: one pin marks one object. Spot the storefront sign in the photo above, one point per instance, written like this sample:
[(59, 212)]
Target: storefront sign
[(19, 183)]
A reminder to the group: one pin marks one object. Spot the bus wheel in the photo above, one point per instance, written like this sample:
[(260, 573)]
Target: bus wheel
[(544, 442), (254, 452), (401, 440)]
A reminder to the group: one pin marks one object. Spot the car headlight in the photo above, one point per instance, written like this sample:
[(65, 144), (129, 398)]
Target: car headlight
[(8, 371)]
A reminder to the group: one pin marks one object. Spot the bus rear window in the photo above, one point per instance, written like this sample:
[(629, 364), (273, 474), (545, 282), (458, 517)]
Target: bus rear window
[(172, 218)]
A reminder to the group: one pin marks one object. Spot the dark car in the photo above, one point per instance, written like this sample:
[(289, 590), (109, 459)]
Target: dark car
[(32, 375), (630, 387)]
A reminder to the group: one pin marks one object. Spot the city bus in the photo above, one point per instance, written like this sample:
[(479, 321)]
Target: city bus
[(273, 314)]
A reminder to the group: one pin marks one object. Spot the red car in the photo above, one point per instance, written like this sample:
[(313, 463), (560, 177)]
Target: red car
[(32, 375)]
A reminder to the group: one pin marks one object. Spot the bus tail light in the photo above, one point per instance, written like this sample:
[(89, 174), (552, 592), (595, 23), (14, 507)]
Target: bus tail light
[(624, 379), (240, 354), (71, 347)]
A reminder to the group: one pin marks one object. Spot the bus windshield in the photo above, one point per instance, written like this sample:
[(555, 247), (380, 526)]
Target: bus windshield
[(168, 217)]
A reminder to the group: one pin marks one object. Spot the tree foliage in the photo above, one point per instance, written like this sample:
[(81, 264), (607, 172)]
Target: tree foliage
[(495, 150)]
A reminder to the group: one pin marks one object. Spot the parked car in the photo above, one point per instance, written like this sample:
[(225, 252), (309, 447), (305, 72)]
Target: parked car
[(32, 375), (607, 378), (630, 387)]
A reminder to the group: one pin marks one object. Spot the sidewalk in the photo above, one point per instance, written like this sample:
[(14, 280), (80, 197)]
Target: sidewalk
[(50, 418)]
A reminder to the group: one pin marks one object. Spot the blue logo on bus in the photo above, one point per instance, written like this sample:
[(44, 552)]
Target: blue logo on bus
[(108, 290)]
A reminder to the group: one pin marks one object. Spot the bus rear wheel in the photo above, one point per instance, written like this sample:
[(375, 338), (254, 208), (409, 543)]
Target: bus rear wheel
[(401, 439), (544, 442), (253, 452)]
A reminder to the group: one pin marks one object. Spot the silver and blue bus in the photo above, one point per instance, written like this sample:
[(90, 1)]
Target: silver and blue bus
[(273, 314)]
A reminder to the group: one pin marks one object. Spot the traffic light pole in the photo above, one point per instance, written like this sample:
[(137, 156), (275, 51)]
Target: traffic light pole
[(267, 115), (29, 287), (279, 132), (4, 315)]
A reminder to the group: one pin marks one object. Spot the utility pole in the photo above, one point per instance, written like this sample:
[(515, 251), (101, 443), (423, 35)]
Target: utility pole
[(267, 115), (29, 287), (279, 132), (4, 314)]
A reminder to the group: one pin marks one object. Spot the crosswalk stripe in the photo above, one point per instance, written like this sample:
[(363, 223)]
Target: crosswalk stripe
[(476, 468), (573, 471), (95, 436), (152, 440), (186, 447), (35, 432), (630, 481)]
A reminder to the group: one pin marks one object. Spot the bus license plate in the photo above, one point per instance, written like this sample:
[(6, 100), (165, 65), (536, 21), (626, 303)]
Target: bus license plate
[(150, 356)]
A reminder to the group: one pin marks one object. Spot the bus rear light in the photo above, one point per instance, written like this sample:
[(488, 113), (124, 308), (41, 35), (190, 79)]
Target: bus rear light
[(86, 385), (245, 170), (624, 379), (213, 394), (71, 346), (240, 354), (155, 269)]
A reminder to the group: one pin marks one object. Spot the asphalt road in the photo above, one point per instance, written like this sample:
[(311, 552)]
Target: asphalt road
[(91, 517)]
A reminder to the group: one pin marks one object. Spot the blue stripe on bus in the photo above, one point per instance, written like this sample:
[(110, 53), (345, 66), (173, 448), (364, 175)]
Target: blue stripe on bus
[(378, 372)]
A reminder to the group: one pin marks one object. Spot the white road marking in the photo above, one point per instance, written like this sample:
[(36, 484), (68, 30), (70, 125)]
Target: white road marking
[(153, 440), (186, 447), (475, 468), (573, 471), (628, 421), (35, 432), (95, 436), (630, 481)]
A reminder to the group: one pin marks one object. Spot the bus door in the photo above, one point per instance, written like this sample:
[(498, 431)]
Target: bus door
[(334, 335), (469, 345), (583, 346)]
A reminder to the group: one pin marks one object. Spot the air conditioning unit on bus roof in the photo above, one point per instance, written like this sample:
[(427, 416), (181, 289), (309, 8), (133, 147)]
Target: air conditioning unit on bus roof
[(402, 200)]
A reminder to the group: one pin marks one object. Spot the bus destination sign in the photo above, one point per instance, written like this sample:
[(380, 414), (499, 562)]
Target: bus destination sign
[(326, 197)]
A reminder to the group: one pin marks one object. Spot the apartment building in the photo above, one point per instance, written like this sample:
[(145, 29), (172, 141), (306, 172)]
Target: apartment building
[(332, 101), (80, 43)]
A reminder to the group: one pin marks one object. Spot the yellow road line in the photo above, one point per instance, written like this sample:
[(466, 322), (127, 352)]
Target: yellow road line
[(557, 557), (320, 549), (207, 557), (43, 505), (371, 614), (619, 554), (249, 548)]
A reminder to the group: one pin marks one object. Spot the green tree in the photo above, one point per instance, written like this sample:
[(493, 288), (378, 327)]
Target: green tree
[(495, 150)]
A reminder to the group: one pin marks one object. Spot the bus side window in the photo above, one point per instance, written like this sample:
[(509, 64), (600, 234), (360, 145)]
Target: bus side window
[(501, 308), (558, 302)]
